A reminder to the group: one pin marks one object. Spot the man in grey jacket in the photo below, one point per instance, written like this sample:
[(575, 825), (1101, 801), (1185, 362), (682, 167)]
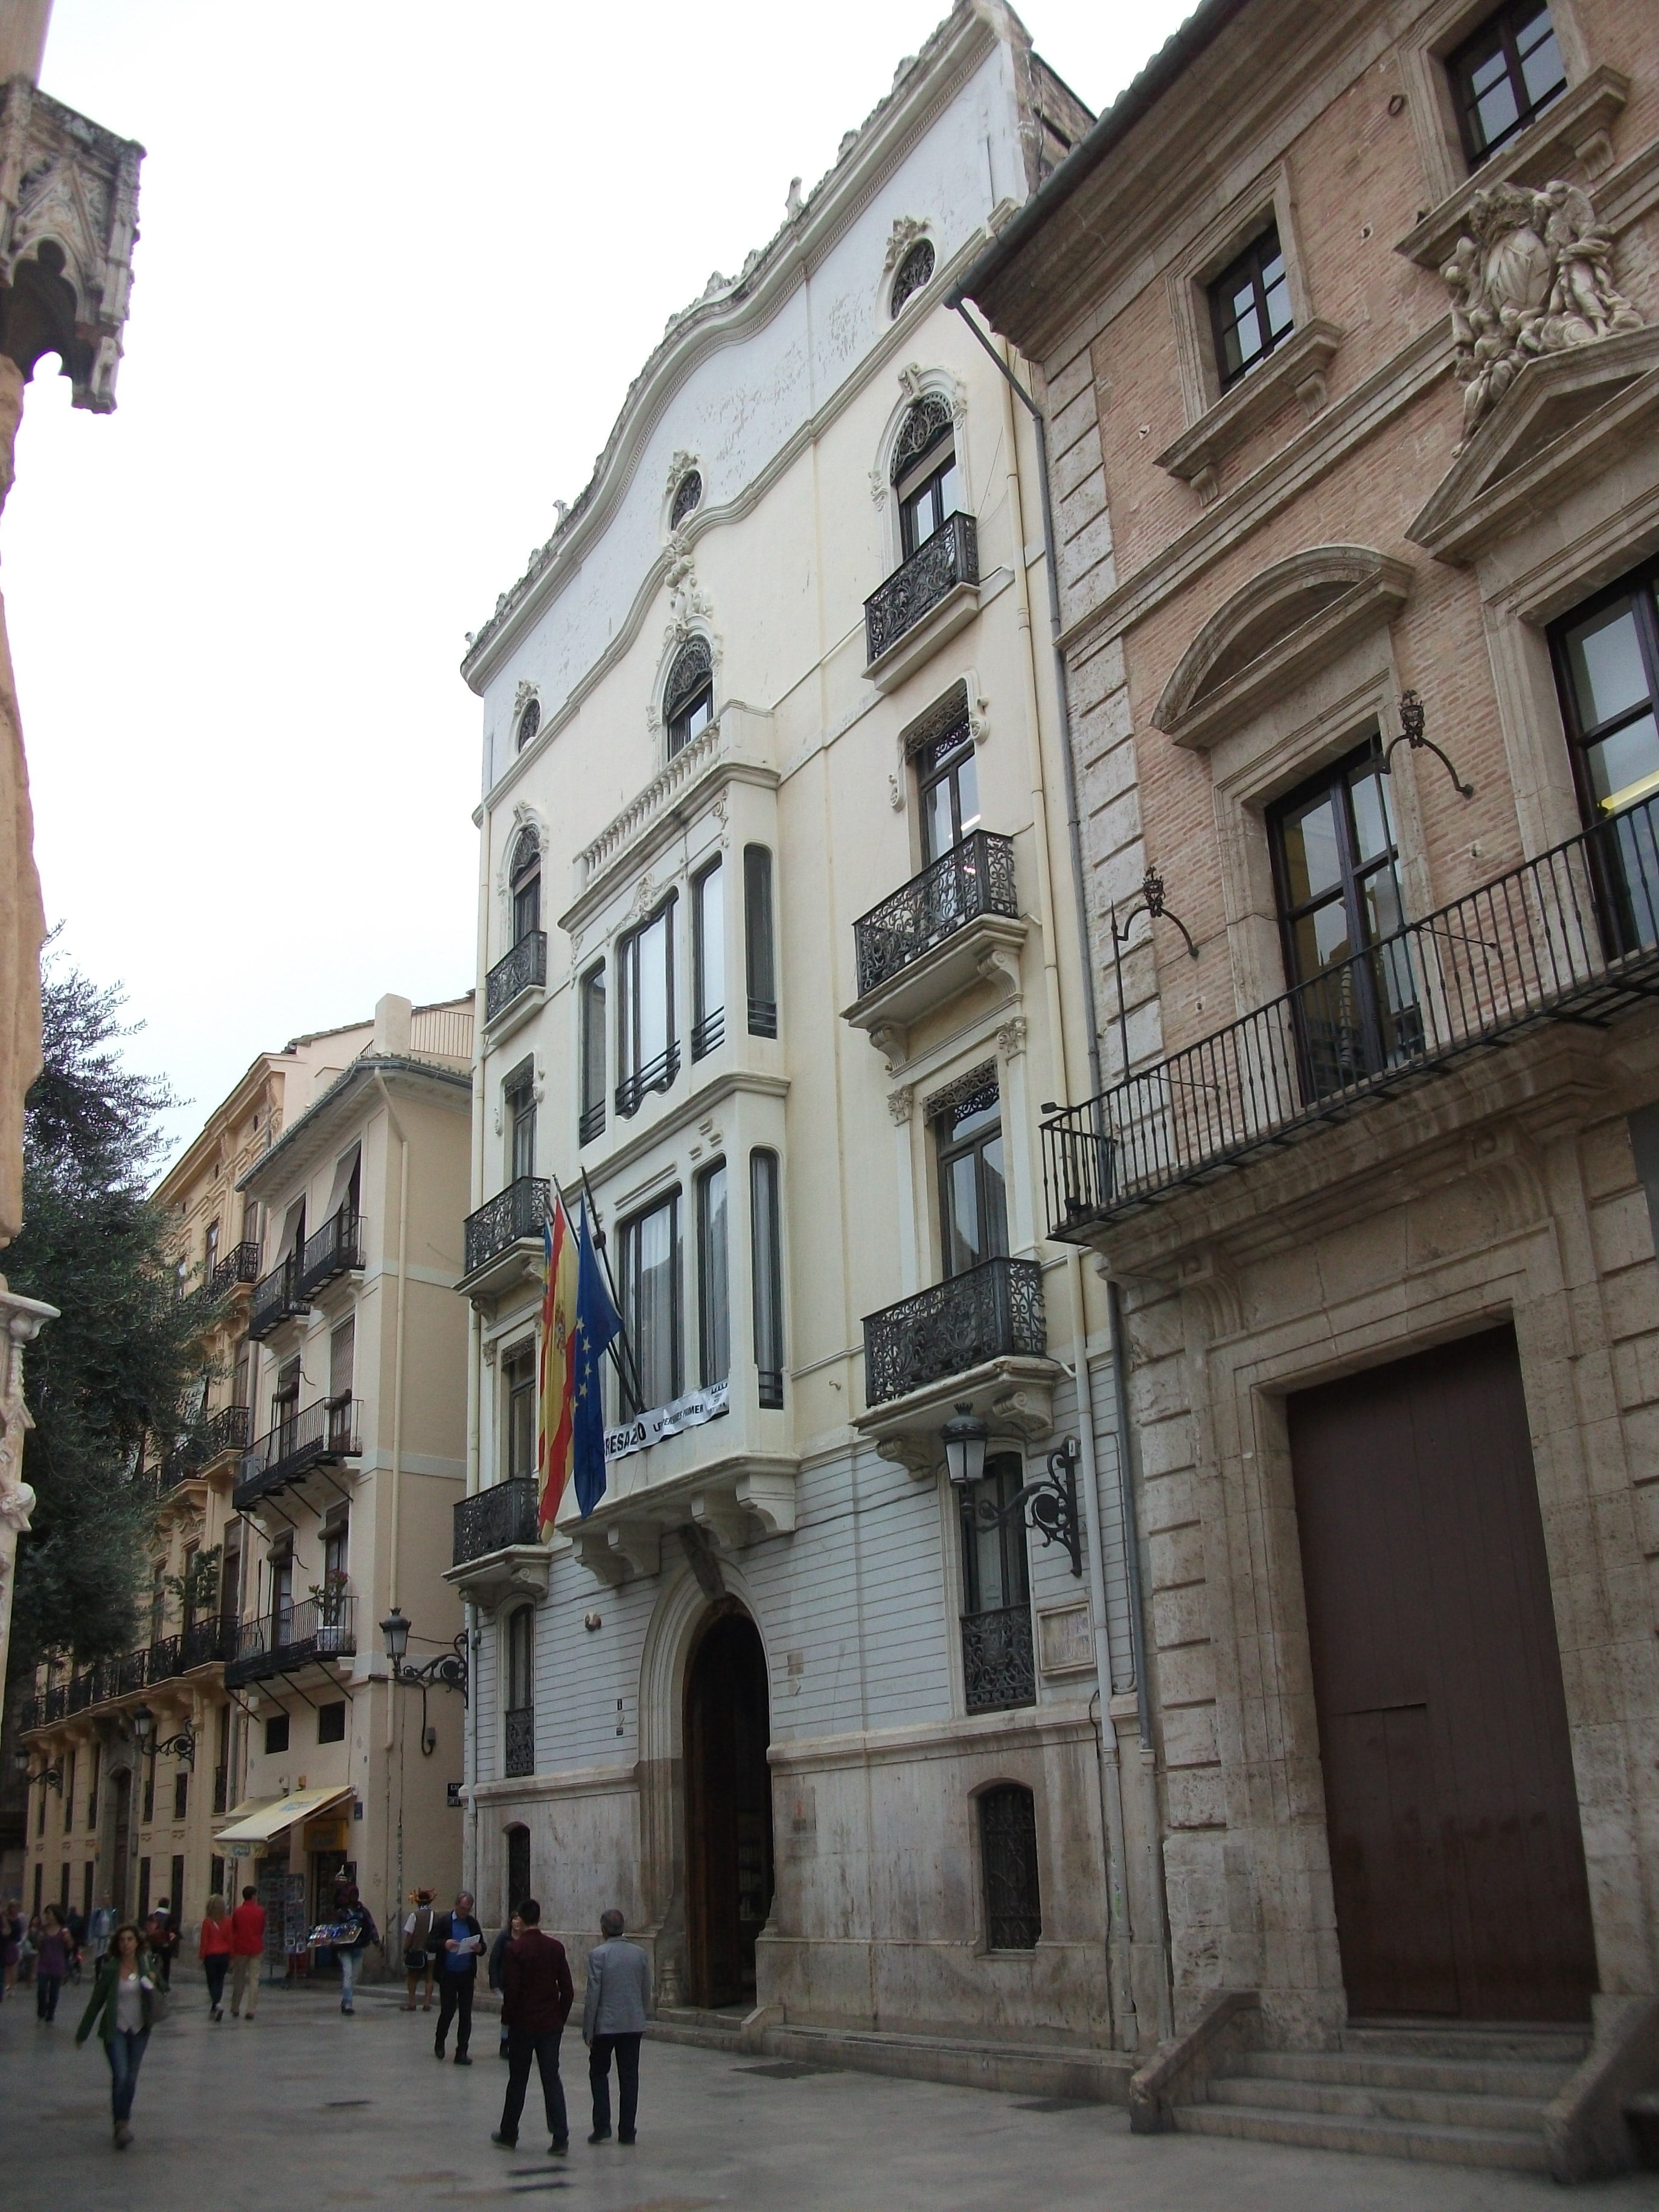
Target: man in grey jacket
[(614, 2008)]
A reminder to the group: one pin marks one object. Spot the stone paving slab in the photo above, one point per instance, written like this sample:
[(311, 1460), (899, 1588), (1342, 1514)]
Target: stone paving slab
[(304, 2110)]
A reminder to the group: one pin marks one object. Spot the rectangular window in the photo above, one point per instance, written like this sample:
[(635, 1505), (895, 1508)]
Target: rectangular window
[(527, 904), (331, 1722), (63, 1890), (285, 1399), (972, 1196), (929, 492), (230, 1583), (144, 1891), (148, 1812), (341, 1356), (708, 960), (714, 1279), (216, 1876), (766, 1253), (1250, 306), (158, 1602), (281, 1596), (92, 1787), (519, 1397), (651, 1305), (518, 1096), (69, 1765), (949, 790), (241, 1386), (181, 1793), (1505, 76), (86, 1892), (337, 1545), (176, 1893), (593, 1120), (276, 1734), (187, 1581), (648, 1052), (210, 1251), (759, 956), (1607, 667), (1334, 866)]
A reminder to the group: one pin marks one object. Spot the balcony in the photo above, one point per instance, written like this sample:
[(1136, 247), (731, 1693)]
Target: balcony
[(1572, 936), (498, 1551), (239, 1265), (323, 1434), (227, 1430), (131, 1673), (275, 1299), (953, 928), (999, 1668), (336, 1250), (524, 970), (503, 1241), (978, 1338), (320, 1630), (928, 599)]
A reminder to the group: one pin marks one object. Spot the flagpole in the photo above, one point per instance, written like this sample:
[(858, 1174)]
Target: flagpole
[(629, 1379)]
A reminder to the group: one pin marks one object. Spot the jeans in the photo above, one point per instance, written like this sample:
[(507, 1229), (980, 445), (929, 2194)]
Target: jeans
[(350, 1966), (627, 2048), (46, 1987), (455, 1995), (125, 2048), (215, 1966), (521, 2047)]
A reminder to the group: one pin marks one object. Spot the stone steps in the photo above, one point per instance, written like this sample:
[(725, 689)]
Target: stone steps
[(1468, 2077), (1522, 2150)]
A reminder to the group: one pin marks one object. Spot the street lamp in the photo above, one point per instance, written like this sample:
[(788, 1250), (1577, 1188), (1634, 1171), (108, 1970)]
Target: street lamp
[(964, 1440), (1051, 1498), (449, 1671), (28, 1776), (183, 1745)]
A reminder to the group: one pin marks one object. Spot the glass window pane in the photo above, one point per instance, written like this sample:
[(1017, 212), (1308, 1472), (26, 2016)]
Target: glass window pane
[(713, 1284), (760, 963), (1321, 938), (1311, 851), (994, 1198), (961, 1214), (1381, 893), (1373, 819), (593, 1041), (653, 990), (1624, 767), (766, 1231), (965, 776), (1540, 58), (938, 828), (947, 496), (1604, 659), (1275, 285), (650, 1294), (711, 943)]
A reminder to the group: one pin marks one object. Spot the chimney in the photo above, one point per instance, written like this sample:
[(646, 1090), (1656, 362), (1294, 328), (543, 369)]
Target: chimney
[(392, 1026)]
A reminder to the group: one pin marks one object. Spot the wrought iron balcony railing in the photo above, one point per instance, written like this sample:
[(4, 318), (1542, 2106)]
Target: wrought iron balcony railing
[(939, 563), (130, 1672), (1570, 936), (321, 1628), (656, 1074), (336, 1250), (493, 1519), (999, 1668), (319, 1435), (239, 1265), (522, 969), (204, 1641), (275, 1299), (224, 1431), (989, 1312), (973, 877), (520, 1745), (513, 1215)]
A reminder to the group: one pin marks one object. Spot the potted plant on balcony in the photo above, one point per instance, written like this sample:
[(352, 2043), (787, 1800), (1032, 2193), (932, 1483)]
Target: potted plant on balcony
[(330, 1596)]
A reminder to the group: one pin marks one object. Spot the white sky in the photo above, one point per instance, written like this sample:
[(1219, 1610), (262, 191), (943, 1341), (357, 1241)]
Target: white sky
[(399, 261)]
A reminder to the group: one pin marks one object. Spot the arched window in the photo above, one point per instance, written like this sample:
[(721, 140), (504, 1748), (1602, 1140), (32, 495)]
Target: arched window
[(520, 1711), (688, 498), (687, 698), (1008, 1867), (529, 722), (924, 475), (913, 271), (526, 886)]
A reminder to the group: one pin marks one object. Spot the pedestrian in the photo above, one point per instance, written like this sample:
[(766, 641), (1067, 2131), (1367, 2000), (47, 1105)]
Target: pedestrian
[(417, 1946), (122, 2008), (536, 1994), (76, 1927), (497, 1951), (351, 1913), (459, 1940), (166, 1947), (51, 1961), (215, 1948), (614, 2006), (13, 1931), (102, 1927), (247, 1950), (27, 1949)]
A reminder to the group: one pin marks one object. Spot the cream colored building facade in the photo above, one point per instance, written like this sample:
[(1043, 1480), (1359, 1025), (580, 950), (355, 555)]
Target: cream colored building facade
[(777, 961)]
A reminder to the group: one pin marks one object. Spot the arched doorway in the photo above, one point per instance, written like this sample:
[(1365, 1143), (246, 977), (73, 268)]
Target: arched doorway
[(728, 1802)]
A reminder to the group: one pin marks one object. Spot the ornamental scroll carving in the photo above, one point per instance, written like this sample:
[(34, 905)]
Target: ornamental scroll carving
[(1532, 275)]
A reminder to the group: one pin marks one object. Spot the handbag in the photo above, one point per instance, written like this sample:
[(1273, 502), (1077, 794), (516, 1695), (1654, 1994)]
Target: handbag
[(161, 2003)]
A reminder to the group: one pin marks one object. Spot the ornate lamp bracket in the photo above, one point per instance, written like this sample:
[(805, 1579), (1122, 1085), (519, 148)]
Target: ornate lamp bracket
[(1414, 733), (1048, 1504)]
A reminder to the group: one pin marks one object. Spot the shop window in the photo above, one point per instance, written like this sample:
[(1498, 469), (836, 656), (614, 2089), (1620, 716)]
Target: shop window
[(760, 957), (707, 961), (276, 1734), (1250, 306), (651, 1307), (147, 1802), (593, 1053), (1008, 1862), (216, 1876), (714, 1279), (331, 1722), (1504, 76), (687, 698), (972, 1192), (647, 1050)]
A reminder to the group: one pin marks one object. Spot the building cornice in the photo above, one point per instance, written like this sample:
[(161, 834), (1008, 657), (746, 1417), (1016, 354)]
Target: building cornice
[(337, 1105)]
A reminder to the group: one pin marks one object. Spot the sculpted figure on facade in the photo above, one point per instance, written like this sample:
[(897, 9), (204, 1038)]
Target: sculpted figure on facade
[(1532, 275)]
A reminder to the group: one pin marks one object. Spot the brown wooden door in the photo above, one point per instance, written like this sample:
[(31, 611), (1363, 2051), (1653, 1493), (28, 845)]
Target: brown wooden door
[(728, 1807), (1456, 1855)]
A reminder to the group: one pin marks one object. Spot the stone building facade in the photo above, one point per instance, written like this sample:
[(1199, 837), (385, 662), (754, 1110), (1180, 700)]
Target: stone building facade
[(778, 962), (1348, 325)]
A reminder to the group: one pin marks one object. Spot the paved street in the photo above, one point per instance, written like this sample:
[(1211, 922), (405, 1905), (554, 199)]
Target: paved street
[(307, 2108)]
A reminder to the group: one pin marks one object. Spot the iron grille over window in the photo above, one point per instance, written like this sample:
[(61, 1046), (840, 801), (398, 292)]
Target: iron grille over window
[(1008, 1856), (998, 1669), (1505, 76), (520, 1739), (1250, 306), (688, 497), (916, 270), (529, 722), (998, 1664), (926, 425)]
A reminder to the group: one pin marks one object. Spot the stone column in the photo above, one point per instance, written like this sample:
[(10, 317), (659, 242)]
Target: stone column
[(22, 1319)]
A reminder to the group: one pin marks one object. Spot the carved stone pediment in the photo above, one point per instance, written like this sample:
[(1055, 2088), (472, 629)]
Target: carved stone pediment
[(1289, 618), (1566, 418)]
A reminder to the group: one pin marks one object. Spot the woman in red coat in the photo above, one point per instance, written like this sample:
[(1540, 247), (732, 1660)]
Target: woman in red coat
[(215, 1954)]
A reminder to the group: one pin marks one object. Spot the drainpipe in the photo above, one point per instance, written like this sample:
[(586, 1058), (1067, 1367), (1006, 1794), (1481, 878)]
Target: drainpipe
[(475, 1364), (398, 1352), (1111, 1780)]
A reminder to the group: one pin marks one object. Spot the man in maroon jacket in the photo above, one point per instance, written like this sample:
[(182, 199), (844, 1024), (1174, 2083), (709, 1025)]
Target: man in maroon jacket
[(535, 1999)]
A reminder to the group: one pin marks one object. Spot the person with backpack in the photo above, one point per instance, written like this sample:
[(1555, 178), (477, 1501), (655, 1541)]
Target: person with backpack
[(354, 1916), (418, 1957)]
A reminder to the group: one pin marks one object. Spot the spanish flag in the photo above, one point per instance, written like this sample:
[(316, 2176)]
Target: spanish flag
[(556, 1442)]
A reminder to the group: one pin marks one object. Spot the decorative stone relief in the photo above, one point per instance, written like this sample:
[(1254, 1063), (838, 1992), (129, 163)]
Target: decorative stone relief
[(906, 231), (1011, 1037), (900, 1102), (1532, 275), (677, 468)]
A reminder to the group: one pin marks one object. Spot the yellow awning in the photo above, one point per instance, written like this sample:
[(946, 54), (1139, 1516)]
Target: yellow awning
[(262, 1822)]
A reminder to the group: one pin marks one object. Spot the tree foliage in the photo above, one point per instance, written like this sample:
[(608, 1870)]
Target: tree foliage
[(114, 1373)]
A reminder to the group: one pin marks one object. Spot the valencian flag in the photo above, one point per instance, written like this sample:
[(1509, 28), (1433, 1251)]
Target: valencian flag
[(579, 1321)]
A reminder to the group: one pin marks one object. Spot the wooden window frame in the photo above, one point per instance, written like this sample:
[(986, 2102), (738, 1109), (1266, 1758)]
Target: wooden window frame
[(1500, 24)]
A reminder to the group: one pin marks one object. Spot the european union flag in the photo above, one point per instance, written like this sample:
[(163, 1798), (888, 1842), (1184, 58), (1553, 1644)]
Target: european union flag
[(597, 1323)]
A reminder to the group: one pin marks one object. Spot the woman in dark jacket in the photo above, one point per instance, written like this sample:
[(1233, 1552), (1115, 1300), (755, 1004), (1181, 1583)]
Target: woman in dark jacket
[(122, 2010)]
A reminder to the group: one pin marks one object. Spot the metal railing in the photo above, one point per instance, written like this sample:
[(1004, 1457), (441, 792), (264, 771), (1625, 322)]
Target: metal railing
[(128, 1673), (939, 563), (227, 1430), (522, 969), (988, 1312), (973, 877), (656, 1074), (317, 1435), (520, 1745), (492, 1519), (320, 1628), (275, 1299), (504, 1220), (336, 1249), (1568, 936), (999, 1667), (239, 1265)]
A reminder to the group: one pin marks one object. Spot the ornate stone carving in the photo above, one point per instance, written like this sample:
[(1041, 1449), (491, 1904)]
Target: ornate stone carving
[(1011, 1037), (1532, 275), (899, 1104), (22, 1320), (906, 231)]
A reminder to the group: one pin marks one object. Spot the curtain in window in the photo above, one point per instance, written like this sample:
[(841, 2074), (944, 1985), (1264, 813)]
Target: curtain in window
[(714, 1282), (767, 1234)]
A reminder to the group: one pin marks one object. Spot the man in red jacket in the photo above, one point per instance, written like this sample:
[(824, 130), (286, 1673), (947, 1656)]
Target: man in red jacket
[(247, 1947), (535, 1999)]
